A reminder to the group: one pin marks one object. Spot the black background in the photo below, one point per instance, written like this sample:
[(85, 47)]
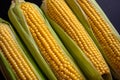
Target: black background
[(4, 6), (112, 10), (110, 7)]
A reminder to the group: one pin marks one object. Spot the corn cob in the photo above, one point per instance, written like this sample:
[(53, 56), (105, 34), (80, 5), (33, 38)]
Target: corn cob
[(48, 46), (106, 35), (77, 53), (61, 65), (69, 23), (16, 17), (14, 54)]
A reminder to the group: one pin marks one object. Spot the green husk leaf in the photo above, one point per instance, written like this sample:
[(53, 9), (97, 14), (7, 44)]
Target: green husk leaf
[(20, 25)]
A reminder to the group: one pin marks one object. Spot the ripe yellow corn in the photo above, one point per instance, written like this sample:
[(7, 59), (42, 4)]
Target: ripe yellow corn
[(13, 53), (104, 34), (58, 11), (51, 51)]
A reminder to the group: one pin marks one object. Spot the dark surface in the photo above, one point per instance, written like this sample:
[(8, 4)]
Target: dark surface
[(4, 6), (1, 76), (110, 7)]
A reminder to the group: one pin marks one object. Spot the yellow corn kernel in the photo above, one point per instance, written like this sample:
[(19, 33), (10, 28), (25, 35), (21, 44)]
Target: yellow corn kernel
[(102, 31), (58, 11), (51, 51), (13, 53)]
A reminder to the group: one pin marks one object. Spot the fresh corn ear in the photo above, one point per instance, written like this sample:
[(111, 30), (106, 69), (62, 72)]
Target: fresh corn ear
[(35, 27), (17, 18), (12, 53), (104, 32), (82, 61), (59, 12)]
